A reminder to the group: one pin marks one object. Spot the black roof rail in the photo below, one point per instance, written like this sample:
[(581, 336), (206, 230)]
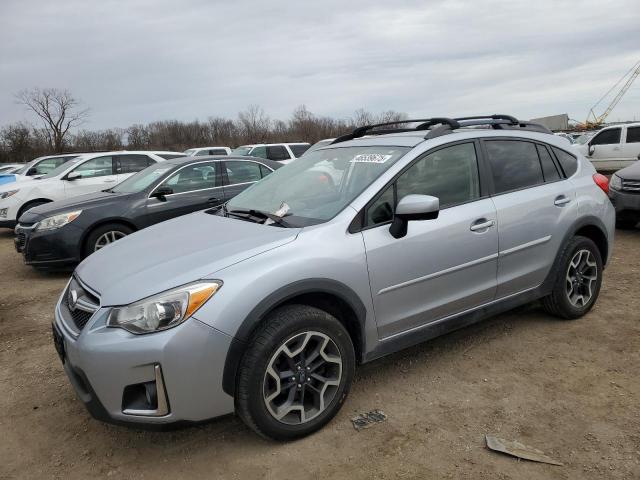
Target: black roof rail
[(424, 124), (445, 125)]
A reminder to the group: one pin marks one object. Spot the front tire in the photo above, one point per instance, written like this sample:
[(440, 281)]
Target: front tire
[(105, 235), (578, 280), (295, 374)]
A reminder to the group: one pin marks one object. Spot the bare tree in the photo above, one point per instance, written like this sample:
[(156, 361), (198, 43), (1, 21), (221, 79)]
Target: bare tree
[(57, 109), (254, 123)]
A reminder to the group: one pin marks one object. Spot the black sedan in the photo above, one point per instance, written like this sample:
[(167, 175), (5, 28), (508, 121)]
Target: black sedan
[(61, 234)]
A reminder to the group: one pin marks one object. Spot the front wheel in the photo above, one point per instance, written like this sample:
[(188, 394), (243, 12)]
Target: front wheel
[(105, 235), (295, 374), (578, 280)]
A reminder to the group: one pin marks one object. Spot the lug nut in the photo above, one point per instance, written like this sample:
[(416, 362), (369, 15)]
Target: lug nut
[(299, 386), (308, 368)]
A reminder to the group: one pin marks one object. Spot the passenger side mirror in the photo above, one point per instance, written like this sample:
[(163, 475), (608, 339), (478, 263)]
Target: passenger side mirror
[(592, 148), (161, 192), (413, 207), (73, 176)]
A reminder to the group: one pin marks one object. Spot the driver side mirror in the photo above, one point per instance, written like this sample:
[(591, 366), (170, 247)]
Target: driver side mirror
[(73, 176), (32, 171), (413, 207), (592, 148), (161, 192)]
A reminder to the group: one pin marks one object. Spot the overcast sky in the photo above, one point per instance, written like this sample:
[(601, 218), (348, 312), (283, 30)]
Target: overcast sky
[(138, 61)]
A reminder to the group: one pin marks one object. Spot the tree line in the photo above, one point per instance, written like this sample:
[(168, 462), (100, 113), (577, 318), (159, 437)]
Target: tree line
[(59, 117)]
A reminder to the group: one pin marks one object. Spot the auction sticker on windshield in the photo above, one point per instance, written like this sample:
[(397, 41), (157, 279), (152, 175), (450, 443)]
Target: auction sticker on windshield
[(370, 158)]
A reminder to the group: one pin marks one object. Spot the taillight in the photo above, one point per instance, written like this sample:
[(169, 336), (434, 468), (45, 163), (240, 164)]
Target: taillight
[(602, 182)]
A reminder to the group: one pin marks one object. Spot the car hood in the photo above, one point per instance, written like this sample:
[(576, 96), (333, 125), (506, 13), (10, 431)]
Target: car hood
[(81, 202), (174, 253), (632, 172)]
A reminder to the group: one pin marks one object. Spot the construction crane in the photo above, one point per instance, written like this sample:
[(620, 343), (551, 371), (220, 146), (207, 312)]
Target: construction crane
[(595, 121)]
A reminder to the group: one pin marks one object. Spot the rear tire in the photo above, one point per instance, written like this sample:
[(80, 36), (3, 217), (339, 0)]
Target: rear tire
[(578, 280), (105, 235), (295, 374)]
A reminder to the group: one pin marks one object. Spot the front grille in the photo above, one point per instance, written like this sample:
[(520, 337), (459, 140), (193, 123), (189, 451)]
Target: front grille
[(78, 305), (631, 186)]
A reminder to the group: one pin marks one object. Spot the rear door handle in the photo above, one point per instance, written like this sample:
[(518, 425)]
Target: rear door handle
[(213, 200), (481, 224), (108, 181), (561, 200)]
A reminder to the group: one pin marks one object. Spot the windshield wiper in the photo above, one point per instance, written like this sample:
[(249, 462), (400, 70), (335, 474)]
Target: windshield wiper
[(259, 214)]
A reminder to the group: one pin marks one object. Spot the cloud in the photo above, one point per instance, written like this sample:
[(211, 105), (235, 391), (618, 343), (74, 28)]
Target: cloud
[(139, 61)]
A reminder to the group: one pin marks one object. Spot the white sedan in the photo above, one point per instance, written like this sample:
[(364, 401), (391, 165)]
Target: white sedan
[(86, 173)]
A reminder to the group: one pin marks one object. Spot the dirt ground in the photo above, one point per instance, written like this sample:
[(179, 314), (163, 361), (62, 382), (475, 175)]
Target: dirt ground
[(569, 388)]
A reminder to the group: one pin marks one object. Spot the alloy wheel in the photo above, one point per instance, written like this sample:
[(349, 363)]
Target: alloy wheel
[(107, 238), (581, 278), (302, 378)]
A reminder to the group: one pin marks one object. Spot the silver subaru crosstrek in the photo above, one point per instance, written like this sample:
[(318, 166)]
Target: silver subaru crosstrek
[(391, 235)]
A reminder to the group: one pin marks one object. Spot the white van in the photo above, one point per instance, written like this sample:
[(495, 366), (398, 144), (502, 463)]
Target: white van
[(613, 148)]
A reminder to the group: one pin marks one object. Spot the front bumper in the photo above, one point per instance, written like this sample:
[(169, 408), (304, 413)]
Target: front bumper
[(104, 363), (51, 248), (8, 211), (627, 204)]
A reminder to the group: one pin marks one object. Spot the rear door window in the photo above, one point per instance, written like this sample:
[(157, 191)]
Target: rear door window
[(277, 152), (633, 134), (298, 150), (132, 163), (607, 137), (217, 151), (514, 165), (549, 169)]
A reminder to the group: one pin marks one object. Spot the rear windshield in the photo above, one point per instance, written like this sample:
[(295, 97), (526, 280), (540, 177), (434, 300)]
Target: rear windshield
[(242, 150)]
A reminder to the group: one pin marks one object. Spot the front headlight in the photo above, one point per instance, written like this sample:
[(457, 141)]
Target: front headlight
[(7, 194), (615, 182), (57, 221), (165, 310)]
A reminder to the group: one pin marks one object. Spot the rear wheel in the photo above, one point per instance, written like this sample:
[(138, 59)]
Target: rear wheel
[(578, 280), (296, 373), (105, 235)]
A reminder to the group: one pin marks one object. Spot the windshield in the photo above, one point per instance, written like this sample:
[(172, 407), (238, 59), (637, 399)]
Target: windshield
[(189, 152), (316, 187), (242, 150), (144, 178)]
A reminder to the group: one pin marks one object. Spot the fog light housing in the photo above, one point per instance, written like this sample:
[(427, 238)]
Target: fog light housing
[(147, 399)]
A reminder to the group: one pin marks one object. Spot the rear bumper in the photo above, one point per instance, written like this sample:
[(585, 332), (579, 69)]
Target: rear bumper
[(104, 363)]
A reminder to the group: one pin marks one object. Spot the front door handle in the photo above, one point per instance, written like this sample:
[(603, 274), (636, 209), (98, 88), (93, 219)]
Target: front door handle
[(481, 224), (109, 181), (561, 201), (213, 200)]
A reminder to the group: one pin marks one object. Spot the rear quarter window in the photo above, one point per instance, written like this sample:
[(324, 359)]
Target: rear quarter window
[(298, 150), (568, 162)]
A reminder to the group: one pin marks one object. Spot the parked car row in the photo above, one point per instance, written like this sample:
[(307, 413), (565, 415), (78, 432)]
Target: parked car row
[(74, 175), (375, 242), (63, 233)]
